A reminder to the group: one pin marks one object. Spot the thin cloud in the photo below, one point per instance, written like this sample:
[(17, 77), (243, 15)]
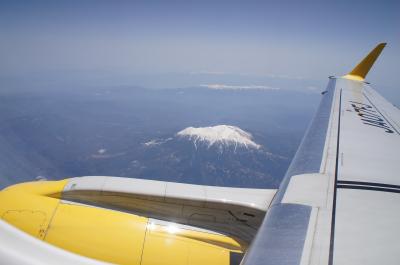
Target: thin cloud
[(238, 87), (209, 73), (268, 75)]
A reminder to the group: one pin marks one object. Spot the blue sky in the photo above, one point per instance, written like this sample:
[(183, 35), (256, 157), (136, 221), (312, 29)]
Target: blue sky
[(124, 41)]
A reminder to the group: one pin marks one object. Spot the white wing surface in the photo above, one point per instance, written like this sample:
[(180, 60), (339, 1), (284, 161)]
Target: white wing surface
[(339, 202)]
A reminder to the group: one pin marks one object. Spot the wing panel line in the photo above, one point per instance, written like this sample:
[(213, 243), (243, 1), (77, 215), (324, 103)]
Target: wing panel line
[(363, 183), (332, 243)]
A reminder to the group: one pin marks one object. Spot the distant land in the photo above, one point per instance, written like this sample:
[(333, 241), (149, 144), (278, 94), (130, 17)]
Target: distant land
[(54, 133)]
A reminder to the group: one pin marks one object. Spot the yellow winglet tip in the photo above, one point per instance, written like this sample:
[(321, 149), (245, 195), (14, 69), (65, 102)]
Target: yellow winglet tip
[(361, 70)]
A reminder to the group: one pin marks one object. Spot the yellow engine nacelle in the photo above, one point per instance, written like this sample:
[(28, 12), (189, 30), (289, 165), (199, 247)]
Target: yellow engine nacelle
[(110, 235)]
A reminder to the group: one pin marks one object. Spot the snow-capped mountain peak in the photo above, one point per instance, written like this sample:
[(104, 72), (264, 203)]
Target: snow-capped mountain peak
[(220, 134)]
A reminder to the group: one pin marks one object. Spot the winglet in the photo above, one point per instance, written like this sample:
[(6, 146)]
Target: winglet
[(361, 70)]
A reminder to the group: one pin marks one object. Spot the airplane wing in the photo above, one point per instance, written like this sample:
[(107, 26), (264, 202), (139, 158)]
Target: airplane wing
[(339, 202)]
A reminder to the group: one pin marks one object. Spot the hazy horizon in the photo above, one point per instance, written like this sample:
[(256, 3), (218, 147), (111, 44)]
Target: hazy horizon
[(167, 44)]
